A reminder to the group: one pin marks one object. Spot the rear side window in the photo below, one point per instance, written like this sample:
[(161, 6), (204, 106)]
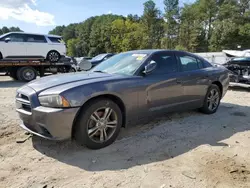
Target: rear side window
[(36, 38), (55, 39), (190, 63)]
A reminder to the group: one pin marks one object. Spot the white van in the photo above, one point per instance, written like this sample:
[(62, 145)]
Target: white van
[(28, 45)]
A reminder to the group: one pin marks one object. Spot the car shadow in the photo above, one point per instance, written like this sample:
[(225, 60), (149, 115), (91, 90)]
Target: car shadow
[(10, 83), (161, 139)]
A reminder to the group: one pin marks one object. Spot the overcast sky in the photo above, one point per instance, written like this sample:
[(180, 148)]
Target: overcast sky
[(40, 16)]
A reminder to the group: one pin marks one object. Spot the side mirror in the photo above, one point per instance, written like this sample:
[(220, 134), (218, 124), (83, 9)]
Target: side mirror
[(150, 67), (7, 40), (85, 65)]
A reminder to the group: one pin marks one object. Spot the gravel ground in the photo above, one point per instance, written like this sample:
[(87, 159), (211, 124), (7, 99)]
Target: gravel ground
[(178, 150)]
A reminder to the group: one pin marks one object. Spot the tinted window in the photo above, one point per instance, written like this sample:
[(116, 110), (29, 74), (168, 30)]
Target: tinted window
[(4, 37), (35, 38), (166, 63), (206, 64), (99, 57), (14, 37), (55, 39), (189, 63)]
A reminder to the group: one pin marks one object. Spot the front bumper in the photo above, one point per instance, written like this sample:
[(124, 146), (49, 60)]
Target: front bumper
[(49, 123)]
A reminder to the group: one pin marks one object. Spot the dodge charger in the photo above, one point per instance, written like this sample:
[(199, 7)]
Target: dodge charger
[(93, 106)]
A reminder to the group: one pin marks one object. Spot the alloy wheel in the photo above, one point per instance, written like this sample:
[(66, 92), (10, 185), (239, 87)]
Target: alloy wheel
[(102, 124), (53, 56), (28, 74), (213, 99)]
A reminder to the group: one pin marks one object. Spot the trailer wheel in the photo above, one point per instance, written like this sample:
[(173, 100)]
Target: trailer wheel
[(26, 74)]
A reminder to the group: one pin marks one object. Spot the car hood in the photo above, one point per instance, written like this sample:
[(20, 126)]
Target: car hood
[(44, 83)]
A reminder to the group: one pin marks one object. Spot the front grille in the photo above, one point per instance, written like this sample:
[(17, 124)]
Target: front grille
[(39, 129), (23, 102), (24, 97)]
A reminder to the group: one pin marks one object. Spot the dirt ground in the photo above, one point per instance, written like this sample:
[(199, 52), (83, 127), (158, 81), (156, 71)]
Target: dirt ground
[(178, 150)]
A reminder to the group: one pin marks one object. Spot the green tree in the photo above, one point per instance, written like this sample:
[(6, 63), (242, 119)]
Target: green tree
[(69, 32), (11, 29), (5, 30), (58, 30), (83, 31), (171, 24), (152, 24), (74, 48), (204, 25), (126, 35)]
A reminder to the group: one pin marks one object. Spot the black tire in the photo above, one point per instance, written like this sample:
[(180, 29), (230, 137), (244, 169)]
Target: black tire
[(1, 56), (53, 56), (13, 74), (72, 69), (81, 131), (26, 74), (206, 105)]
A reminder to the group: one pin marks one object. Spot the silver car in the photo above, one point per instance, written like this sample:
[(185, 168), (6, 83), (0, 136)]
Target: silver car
[(93, 106)]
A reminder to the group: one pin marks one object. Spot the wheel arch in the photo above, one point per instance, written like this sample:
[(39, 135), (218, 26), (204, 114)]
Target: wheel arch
[(112, 97), (52, 51), (218, 83)]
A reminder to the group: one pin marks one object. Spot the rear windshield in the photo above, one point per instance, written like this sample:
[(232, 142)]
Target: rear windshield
[(56, 39)]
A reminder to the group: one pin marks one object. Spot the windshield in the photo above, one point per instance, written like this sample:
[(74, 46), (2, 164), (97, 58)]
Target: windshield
[(124, 63), (99, 57)]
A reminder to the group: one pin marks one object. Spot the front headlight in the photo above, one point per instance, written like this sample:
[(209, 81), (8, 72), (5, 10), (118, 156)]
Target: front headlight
[(55, 101)]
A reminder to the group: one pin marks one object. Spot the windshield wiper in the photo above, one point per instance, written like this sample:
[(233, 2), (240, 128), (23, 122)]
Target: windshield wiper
[(99, 71)]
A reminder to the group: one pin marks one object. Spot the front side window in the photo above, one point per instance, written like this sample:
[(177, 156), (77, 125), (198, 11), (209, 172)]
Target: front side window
[(3, 37), (189, 63), (36, 38), (166, 63), (14, 37)]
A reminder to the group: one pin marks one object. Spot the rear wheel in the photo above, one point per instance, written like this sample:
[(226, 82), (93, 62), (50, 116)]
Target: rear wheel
[(98, 124), (26, 74), (53, 56), (212, 100)]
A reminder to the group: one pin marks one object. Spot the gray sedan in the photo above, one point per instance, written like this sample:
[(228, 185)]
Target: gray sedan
[(93, 106)]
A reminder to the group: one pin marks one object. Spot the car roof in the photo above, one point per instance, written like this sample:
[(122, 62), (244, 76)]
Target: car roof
[(150, 51), (48, 35)]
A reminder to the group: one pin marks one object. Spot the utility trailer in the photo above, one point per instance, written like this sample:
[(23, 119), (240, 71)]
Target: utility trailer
[(28, 69)]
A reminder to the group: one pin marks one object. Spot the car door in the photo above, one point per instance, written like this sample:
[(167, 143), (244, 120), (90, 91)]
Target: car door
[(36, 46), (193, 77), (15, 47), (162, 90)]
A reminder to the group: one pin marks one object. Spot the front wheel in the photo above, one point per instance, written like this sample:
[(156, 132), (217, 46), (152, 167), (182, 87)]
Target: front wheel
[(98, 124), (212, 100)]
